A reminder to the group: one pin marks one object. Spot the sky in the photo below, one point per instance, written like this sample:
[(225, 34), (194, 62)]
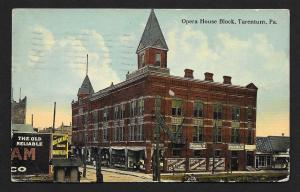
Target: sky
[(49, 48)]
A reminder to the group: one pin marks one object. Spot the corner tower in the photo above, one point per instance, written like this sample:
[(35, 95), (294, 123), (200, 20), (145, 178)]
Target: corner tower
[(86, 86), (152, 49)]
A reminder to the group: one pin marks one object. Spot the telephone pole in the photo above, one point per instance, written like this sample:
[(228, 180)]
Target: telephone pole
[(156, 175), (53, 126)]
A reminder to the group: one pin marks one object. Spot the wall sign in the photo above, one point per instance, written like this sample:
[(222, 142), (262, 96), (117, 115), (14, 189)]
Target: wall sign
[(30, 153)]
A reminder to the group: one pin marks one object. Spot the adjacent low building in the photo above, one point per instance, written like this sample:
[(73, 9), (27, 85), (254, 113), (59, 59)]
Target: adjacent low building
[(272, 152), (202, 121)]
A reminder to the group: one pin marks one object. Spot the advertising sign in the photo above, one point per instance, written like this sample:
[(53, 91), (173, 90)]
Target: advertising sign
[(236, 147), (197, 164), (176, 164), (59, 146), (30, 153), (219, 164), (197, 146)]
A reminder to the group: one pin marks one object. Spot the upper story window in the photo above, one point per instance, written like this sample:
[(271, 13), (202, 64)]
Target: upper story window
[(122, 112), (133, 108), (217, 111), (235, 114), (198, 109), (157, 59), (140, 106), (116, 112), (249, 114), (234, 135), (105, 115), (176, 107)]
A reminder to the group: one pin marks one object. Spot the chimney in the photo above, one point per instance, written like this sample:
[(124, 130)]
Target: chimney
[(208, 76), (188, 73), (227, 80)]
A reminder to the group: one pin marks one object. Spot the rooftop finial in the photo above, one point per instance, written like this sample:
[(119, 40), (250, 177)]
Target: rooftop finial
[(87, 63)]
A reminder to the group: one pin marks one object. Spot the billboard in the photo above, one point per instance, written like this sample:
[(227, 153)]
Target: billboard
[(59, 146), (30, 153)]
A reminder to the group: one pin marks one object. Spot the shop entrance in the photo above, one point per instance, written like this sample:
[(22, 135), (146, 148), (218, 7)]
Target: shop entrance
[(234, 161), (250, 159)]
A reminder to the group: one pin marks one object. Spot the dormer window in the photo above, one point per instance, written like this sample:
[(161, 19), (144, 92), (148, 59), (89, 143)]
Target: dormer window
[(157, 59)]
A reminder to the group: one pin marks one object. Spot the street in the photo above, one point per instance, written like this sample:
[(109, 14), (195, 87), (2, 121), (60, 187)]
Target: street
[(114, 175)]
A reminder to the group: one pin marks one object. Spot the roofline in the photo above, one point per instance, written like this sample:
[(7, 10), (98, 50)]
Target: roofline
[(105, 91), (138, 51)]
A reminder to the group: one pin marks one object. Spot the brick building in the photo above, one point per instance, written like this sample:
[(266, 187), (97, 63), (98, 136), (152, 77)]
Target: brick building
[(202, 121)]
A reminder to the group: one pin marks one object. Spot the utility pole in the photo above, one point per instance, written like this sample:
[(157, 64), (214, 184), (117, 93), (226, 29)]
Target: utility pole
[(214, 142), (157, 130), (32, 120), (53, 126)]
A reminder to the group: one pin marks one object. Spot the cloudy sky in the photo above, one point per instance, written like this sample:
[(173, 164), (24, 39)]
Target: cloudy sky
[(50, 46)]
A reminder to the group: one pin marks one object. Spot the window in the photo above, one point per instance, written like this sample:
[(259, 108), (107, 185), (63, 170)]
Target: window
[(95, 135), (122, 111), (139, 134), (116, 112), (105, 115), (175, 129), (133, 108), (140, 106), (217, 134), (157, 59), (198, 109), (234, 135), (105, 134), (249, 137), (235, 114), (264, 160), (249, 114), (176, 152), (176, 107), (218, 153), (197, 134), (198, 153), (217, 111), (142, 59), (95, 116)]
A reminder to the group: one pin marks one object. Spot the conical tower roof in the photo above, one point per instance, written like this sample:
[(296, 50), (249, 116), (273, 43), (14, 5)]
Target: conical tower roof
[(86, 87), (152, 35)]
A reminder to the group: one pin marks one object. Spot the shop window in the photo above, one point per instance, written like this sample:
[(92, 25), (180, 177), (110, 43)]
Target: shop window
[(198, 109), (176, 152), (176, 107), (218, 153), (217, 111), (199, 153), (235, 114), (234, 154), (197, 134), (264, 160)]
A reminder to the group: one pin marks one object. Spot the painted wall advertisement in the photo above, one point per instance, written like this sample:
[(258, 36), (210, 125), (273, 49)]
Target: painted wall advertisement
[(59, 146), (30, 153)]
